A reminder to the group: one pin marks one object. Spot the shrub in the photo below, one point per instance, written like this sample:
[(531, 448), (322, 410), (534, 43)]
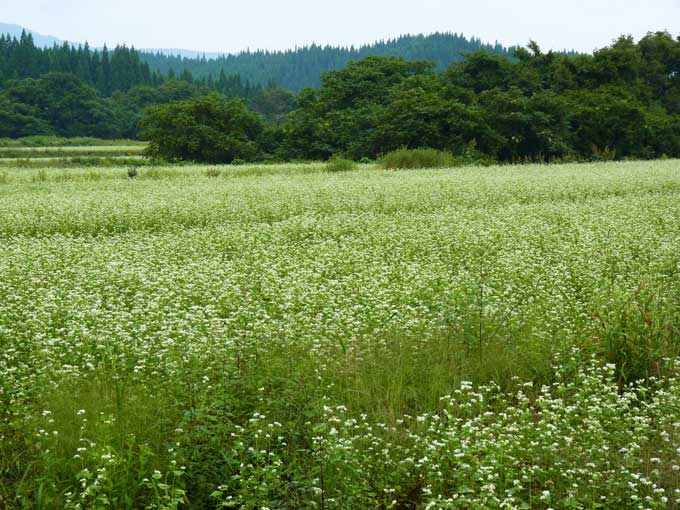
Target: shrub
[(336, 164), (418, 158)]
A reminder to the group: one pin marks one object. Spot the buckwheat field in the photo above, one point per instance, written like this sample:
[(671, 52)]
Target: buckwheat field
[(287, 338)]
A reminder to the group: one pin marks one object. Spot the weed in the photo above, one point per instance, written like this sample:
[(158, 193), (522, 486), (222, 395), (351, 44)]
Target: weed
[(338, 164), (417, 158)]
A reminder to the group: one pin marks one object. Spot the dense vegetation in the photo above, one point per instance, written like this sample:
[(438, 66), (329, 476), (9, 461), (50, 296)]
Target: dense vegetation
[(285, 337), (621, 102), (107, 71), (302, 67), (207, 129), (75, 91)]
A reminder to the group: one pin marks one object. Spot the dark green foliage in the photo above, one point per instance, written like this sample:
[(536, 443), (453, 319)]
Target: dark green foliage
[(523, 126), (76, 91), (18, 120), (345, 115), (621, 102), (130, 105), (274, 103), (64, 103), (613, 117), (107, 71), (418, 158), (208, 129)]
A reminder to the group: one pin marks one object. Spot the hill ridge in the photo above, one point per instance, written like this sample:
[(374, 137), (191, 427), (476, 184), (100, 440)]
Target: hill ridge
[(297, 67)]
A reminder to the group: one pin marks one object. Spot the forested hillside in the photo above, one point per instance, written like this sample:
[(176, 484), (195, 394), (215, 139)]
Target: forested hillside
[(22, 56), (108, 71), (40, 40), (78, 91), (302, 67)]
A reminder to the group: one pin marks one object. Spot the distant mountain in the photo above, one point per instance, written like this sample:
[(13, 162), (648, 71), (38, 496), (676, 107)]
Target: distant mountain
[(42, 41), (178, 52), (47, 41)]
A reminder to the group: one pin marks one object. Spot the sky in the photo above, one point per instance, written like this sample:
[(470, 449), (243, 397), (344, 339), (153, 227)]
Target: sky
[(230, 26)]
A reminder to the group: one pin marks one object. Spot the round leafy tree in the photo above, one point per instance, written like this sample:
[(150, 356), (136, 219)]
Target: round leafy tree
[(208, 129)]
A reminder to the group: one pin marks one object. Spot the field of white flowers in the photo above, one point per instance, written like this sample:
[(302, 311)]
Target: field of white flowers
[(287, 338)]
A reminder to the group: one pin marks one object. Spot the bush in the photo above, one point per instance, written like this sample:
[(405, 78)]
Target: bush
[(418, 158), (336, 164)]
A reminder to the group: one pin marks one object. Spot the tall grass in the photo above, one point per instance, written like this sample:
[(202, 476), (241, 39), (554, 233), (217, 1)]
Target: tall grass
[(337, 164), (417, 158)]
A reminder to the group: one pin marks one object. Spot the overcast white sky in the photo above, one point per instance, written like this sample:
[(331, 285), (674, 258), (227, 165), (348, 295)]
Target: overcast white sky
[(230, 26)]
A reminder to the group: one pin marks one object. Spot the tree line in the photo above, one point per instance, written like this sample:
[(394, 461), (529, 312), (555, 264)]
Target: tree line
[(621, 102), (107, 71), (78, 91)]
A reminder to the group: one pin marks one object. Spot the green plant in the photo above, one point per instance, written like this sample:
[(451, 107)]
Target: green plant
[(639, 333), (337, 164), (40, 176), (158, 172), (417, 158)]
